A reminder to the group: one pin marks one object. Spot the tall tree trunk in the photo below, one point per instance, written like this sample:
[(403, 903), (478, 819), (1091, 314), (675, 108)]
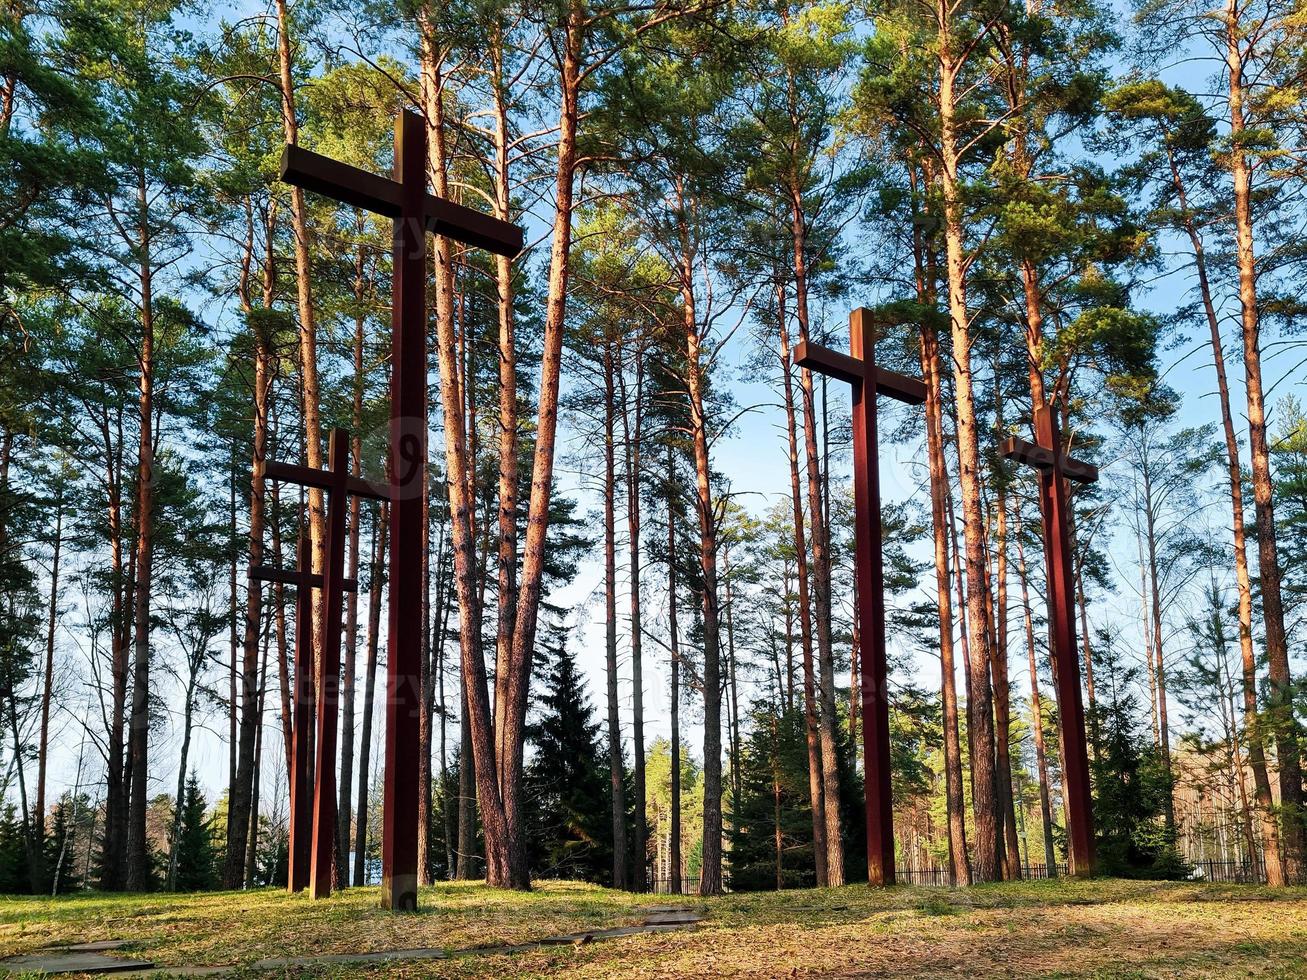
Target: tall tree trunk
[(674, 845), (816, 785), (252, 842), (632, 436), (350, 667), (1280, 720), (379, 537), (459, 467), (308, 330), (827, 715), (1252, 725), (508, 438), (138, 851), (954, 795), (113, 853), (1159, 662), (710, 880), (1037, 719), (616, 764), (47, 676), (1009, 848), (980, 701), (238, 805), (542, 469)]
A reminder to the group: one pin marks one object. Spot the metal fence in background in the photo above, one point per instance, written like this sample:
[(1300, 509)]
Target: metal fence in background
[(1227, 872), (1217, 872), (942, 877), (663, 886)]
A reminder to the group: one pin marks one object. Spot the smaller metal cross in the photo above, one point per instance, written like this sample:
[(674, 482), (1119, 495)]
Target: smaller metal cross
[(859, 369), (339, 484), (303, 705), (1055, 468)]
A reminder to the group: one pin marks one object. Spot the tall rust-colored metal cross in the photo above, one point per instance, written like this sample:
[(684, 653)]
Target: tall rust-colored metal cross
[(859, 369), (1055, 468), (339, 484), (304, 706), (415, 212)]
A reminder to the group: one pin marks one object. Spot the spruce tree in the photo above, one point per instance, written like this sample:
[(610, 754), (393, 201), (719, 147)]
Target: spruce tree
[(1131, 781), (567, 782), (196, 853)]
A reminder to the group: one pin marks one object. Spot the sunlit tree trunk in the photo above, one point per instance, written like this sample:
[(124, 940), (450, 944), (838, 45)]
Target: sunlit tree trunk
[(138, 853), (980, 726), (379, 539), (816, 791), (1280, 720), (710, 880), (350, 667), (1009, 848), (1252, 735), (821, 563), (508, 469), (937, 462), (1037, 719), (674, 839), (632, 435), (308, 330), (458, 465)]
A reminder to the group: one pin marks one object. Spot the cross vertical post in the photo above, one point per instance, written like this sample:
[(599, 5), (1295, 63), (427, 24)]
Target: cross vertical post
[(1055, 468), (324, 762), (408, 466), (415, 213), (860, 370), (870, 570), (301, 803)]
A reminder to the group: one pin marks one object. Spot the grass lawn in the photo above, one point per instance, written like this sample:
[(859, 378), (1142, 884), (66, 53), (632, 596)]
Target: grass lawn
[(1052, 929)]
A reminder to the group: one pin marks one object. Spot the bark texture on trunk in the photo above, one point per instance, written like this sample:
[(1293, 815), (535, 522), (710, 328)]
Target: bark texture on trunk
[(980, 699), (821, 563), (616, 764), (1265, 801), (379, 538), (137, 847), (816, 785), (1279, 717)]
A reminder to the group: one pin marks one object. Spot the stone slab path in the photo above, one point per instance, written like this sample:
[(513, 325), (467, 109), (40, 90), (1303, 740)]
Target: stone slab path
[(84, 958), (93, 958)]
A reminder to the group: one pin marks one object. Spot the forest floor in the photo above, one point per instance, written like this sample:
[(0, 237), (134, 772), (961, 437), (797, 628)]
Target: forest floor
[(1049, 929)]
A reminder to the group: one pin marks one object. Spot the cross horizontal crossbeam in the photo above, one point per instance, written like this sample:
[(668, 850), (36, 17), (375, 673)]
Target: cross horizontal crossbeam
[(1040, 457), (287, 576), (855, 371), (381, 195), (323, 480)]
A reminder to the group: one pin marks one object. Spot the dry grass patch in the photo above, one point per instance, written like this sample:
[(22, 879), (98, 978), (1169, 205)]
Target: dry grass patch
[(241, 927), (1054, 929)]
